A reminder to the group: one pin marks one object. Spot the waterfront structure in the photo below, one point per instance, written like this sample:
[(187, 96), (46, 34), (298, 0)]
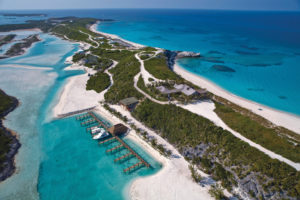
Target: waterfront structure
[(117, 129)]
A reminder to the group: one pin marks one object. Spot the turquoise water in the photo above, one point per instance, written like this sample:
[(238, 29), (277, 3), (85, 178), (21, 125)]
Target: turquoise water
[(262, 49), (58, 159), (74, 166)]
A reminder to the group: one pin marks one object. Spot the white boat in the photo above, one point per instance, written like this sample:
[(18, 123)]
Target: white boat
[(101, 134), (96, 130)]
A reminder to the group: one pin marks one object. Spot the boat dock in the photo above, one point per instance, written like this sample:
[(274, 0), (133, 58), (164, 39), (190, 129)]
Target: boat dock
[(90, 118)]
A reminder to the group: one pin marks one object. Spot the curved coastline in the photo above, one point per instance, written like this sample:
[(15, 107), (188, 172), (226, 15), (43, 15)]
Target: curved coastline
[(278, 117), (9, 164)]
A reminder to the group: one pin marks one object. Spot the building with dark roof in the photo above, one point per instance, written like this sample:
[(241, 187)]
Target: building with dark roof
[(118, 129), (129, 103)]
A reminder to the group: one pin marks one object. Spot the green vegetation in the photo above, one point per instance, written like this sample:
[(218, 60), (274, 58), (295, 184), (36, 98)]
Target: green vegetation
[(98, 82), (195, 175), (217, 192), (92, 61), (103, 64), (6, 39), (6, 102), (145, 56), (78, 56), (148, 49), (116, 55), (187, 130), (267, 137), (290, 135), (123, 74), (158, 67), (72, 34)]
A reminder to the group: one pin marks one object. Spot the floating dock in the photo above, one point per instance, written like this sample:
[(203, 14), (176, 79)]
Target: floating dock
[(91, 119)]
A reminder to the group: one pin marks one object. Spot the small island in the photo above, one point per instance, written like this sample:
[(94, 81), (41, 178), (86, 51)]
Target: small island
[(24, 15), (6, 39), (20, 48)]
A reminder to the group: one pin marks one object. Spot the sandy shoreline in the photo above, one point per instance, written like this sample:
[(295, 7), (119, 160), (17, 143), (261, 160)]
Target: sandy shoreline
[(280, 118), (112, 36)]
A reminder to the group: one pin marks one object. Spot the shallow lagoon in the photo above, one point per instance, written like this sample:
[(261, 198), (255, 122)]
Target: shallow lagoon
[(57, 160)]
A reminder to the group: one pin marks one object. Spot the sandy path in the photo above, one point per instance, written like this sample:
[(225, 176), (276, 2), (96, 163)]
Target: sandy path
[(145, 74)]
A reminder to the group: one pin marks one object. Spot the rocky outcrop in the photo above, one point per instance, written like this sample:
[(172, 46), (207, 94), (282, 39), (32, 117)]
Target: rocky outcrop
[(187, 54), (173, 55)]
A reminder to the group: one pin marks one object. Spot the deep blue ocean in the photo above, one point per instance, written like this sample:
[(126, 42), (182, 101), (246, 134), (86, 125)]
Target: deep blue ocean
[(259, 50)]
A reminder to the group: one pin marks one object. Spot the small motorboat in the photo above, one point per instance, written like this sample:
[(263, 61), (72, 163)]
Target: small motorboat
[(101, 134)]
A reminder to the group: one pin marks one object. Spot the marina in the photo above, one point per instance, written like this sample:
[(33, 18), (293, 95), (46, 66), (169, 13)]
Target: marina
[(94, 124)]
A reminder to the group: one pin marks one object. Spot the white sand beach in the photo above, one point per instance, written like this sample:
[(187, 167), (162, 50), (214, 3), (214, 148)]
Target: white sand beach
[(277, 117), (112, 36)]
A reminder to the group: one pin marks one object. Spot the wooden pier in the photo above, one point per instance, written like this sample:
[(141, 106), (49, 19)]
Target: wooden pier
[(133, 152), (98, 120), (107, 140), (122, 144), (88, 122), (132, 167), (114, 148), (122, 157), (82, 117)]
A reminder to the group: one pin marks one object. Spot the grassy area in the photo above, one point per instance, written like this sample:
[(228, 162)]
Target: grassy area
[(123, 74), (225, 154), (116, 55), (158, 67), (267, 137), (98, 82)]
